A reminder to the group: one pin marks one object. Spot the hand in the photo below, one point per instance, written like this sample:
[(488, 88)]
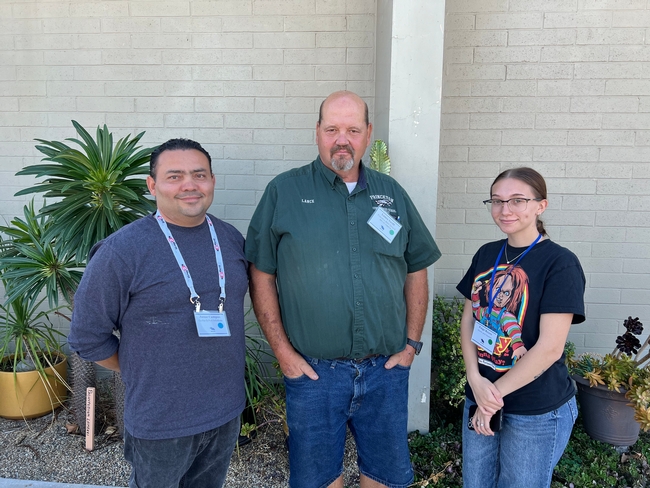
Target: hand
[(477, 287), (519, 352), (403, 358), (293, 365), (481, 423), (487, 395)]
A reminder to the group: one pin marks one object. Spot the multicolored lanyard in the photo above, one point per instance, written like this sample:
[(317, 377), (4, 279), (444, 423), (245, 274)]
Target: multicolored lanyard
[(194, 297), (494, 293)]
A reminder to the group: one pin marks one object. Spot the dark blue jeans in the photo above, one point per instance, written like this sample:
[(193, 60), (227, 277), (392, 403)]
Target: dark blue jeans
[(362, 395), (195, 461)]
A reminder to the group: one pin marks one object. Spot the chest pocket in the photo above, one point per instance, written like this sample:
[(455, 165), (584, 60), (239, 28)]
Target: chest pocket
[(394, 249)]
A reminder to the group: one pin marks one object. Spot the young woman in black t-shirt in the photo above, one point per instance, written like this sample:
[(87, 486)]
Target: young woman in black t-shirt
[(522, 295)]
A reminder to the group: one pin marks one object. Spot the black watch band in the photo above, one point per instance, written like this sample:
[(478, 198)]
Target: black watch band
[(415, 345)]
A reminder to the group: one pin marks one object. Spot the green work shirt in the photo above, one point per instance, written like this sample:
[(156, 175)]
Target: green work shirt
[(340, 283)]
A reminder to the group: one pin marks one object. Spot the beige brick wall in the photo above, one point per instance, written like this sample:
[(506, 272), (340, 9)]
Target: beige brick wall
[(562, 86), (242, 77)]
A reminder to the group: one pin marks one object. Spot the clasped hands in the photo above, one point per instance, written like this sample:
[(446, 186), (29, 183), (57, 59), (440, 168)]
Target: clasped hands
[(489, 401)]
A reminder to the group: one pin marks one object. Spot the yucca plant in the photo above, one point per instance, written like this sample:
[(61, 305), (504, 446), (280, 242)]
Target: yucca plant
[(30, 342), (30, 260), (27, 329), (98, 189)]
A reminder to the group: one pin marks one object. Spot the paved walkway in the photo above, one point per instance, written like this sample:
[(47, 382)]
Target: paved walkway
[(6, 483)]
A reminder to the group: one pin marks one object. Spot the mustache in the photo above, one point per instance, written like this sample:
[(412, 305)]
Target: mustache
[(347, 148), (189, 194)]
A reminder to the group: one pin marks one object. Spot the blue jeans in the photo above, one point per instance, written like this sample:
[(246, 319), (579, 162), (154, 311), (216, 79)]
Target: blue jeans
[(371, 400), (195, 461), (523, 453)]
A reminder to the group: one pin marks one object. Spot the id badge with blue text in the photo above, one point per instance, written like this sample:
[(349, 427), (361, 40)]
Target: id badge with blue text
[(211, 324)]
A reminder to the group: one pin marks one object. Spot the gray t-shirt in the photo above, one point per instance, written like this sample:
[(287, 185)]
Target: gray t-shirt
[(177, 383)]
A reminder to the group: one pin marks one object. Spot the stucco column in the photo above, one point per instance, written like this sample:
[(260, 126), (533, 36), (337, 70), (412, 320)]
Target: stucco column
[(407, 116)]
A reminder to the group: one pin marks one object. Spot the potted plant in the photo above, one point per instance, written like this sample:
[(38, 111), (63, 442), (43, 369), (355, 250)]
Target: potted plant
[(98, 189), (614, 390), (33, 376), (32, 364)]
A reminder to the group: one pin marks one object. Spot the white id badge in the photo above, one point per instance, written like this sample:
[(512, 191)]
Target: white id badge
[(483, 337), (211, 324), (385, 225)]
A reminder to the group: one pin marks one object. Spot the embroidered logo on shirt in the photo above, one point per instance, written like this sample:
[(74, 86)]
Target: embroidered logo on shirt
[(307, 201), (383, 201)]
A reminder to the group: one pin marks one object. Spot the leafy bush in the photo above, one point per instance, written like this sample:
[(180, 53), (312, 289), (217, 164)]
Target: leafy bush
[(437, 457), (448, 377), (587, 463)]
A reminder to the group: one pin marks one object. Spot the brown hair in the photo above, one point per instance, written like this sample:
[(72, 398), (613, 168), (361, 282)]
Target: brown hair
[(533, 179)]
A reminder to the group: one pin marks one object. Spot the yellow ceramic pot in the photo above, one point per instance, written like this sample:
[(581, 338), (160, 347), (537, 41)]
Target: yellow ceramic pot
[(26, 396)]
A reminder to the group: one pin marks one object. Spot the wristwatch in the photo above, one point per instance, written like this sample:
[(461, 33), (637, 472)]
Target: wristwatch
[(415, 345)]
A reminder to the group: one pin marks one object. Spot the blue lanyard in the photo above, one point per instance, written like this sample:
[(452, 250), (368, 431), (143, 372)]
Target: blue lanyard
[(493, 293), (194, 297)]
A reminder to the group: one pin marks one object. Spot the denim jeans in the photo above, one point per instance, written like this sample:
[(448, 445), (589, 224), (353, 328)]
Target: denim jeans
[(371, 400), (195, 461), (522, 454)]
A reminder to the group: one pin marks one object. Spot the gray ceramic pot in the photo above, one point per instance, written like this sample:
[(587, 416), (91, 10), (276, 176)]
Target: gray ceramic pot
[(606, 415)]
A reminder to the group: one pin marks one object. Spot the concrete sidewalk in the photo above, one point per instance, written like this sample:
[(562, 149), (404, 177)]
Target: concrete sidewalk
[(7, 483)]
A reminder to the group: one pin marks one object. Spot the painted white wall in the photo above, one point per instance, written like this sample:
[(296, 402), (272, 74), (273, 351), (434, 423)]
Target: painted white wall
[(242, 77), (408, 107), (562, 87)]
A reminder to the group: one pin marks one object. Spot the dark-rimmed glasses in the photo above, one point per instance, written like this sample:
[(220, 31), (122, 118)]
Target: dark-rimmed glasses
[(514, 204)]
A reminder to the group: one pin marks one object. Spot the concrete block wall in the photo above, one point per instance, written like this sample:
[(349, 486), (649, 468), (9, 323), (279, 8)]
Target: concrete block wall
[(242, 77), (562, 86)]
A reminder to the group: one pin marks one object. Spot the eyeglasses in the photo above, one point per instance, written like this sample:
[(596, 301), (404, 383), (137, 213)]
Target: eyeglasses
[(514, 204)]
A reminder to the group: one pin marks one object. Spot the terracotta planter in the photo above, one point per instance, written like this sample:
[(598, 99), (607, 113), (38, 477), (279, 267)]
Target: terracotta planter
[(26, 397), (606, 415)]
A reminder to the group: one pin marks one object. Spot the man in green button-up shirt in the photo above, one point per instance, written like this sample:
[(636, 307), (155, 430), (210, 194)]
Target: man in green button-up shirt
[(342, 304)]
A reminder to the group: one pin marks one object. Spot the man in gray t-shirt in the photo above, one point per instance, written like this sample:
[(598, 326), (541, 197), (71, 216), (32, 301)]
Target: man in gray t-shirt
[(161, 281)]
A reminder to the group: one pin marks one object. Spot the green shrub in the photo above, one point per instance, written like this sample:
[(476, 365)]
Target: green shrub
[(448, 377), (437, 457), (587, 463)]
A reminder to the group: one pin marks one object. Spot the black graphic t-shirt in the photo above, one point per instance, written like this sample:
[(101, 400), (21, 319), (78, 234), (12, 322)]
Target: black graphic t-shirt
[(549, 279)]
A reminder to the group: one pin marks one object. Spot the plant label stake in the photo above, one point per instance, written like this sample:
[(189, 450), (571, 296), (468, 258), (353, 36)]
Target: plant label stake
[(90, 418)]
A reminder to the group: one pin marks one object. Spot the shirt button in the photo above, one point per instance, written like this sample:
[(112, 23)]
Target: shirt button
[(356, 276), (359, 304), (354, 249), (352, 222)]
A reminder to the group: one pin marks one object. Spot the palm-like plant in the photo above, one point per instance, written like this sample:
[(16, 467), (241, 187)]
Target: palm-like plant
[(30, 262), (98, 188), (36, 345), (35, 341)]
